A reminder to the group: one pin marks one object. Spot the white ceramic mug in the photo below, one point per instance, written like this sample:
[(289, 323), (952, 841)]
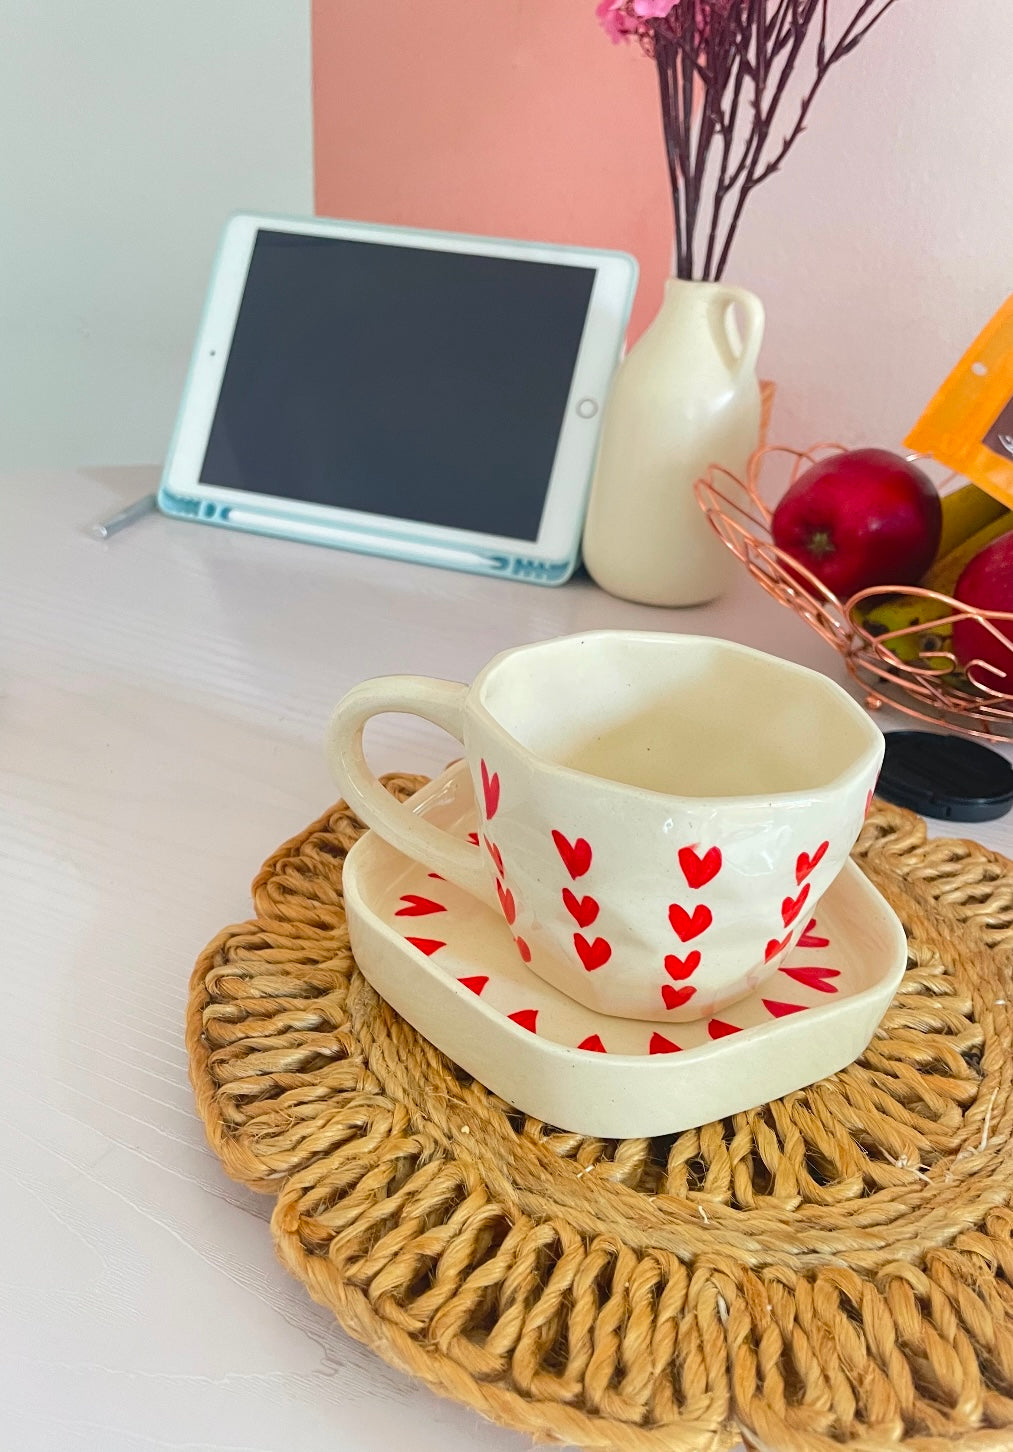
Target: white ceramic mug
[(659, 814)]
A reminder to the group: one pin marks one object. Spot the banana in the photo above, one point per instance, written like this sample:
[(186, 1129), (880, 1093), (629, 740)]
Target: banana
[(902, 612), (965, 511), (947, 569)]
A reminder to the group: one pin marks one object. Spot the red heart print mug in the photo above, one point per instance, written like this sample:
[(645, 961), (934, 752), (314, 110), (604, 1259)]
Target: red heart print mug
[(658, 814)]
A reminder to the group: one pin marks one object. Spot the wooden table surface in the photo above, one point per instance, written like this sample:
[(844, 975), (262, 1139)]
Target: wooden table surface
[(162, 701)]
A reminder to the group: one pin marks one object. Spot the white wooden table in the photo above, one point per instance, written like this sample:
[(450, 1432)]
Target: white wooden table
[(162, 700)]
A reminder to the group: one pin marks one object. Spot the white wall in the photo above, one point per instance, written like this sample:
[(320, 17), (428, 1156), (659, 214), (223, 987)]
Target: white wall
[(131, 129), (887, 241)]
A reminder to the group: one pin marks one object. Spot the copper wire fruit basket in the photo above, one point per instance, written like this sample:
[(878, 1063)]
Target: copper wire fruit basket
[(972, 699)]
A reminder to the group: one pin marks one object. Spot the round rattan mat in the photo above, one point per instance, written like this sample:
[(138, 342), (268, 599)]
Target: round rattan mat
[(832, 1269)]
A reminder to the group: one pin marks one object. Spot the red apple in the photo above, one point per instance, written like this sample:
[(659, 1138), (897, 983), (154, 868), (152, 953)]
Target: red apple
[(861, 518), (987, 583)]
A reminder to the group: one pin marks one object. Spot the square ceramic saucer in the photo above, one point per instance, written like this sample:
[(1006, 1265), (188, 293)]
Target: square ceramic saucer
[(449, 966)]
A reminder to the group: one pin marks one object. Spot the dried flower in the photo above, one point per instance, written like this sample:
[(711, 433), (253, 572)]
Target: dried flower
[(723, 67), (615, 22), (622, 18), (651, 9)]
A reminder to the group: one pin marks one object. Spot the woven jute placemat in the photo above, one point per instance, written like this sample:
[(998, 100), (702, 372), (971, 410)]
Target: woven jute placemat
[(832, 1269)]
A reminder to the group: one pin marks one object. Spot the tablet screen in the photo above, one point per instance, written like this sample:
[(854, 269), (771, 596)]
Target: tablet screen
[(422, 385)]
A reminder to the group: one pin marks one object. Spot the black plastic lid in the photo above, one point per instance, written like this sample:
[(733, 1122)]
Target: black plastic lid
[(945, 776)]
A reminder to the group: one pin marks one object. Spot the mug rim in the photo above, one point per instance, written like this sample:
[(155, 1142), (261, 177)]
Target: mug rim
[(844, 779)]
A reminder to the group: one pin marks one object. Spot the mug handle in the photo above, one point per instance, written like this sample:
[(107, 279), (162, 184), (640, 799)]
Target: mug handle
[(442, 703)]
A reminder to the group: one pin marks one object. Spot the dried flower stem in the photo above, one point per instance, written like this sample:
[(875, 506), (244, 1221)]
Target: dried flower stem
[(736, 58)]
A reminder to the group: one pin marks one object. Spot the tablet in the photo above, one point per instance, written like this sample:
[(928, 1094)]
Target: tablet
[(418, 394)]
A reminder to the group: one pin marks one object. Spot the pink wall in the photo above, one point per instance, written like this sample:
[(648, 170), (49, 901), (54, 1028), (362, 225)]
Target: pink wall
[(879, 251), (509, 117)]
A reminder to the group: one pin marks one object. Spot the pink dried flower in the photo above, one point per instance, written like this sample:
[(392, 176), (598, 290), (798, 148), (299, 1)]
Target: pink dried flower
[(615, 22), (622, 18)]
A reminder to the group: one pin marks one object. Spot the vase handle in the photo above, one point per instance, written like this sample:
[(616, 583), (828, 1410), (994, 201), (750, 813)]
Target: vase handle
[(741, 362)]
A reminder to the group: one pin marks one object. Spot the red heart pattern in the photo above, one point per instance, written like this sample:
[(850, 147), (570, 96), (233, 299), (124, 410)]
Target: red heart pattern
[(676, 997), (807, 864), (698, 871), (814, 977), (473, 838), (792, 906), (809, 939), (679, 968), (583, 910), (780, 1010), (774, 948), (526, 1017), (718, 1029), (576, 856), (494, 853), (689, 925), (506, 902), (416, 906), (593, 1044), (490, 791), (429, 946), (660, 1045), (592, 955), (699, 868)]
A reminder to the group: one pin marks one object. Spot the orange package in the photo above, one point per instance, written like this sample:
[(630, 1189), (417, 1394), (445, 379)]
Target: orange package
[(968, 426)]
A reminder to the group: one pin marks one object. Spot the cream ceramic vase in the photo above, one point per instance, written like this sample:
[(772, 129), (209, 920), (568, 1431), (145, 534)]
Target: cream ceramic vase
[(686, 396)]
